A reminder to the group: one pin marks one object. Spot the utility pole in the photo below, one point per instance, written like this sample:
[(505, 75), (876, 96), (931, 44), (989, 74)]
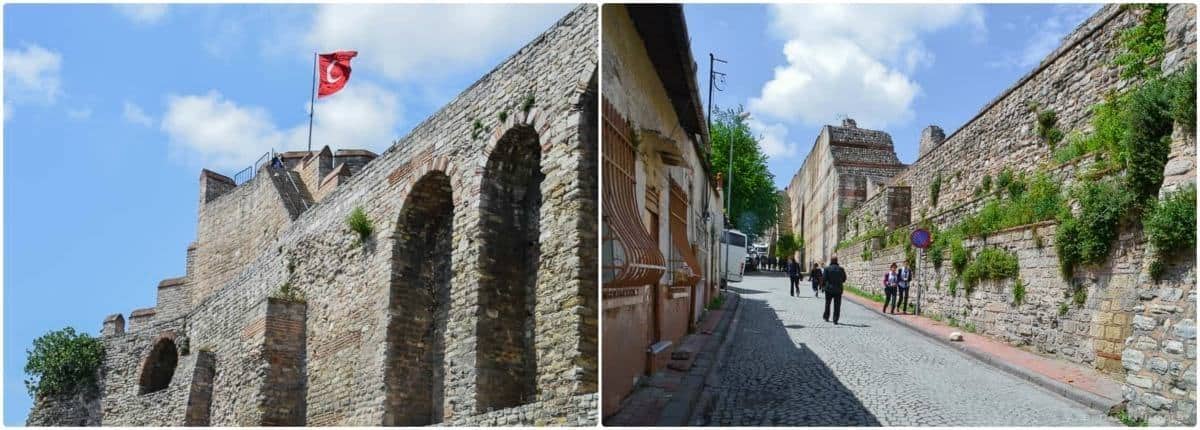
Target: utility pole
[(712, 75)]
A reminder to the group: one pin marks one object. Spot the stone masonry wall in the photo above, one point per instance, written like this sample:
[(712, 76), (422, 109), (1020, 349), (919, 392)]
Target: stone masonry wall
[(1160, 353), (233, 229), (346, 281), (1092, 333)]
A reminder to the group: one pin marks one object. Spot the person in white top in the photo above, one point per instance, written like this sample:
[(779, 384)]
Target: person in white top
[(891, 281)]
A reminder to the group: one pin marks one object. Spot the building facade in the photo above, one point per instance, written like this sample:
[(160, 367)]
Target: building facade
[(661, 208)]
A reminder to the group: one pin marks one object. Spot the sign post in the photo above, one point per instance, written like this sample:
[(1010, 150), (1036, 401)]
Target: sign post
[(920, 238)]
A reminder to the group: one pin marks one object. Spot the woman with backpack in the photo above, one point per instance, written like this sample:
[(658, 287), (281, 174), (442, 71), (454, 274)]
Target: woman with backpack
[(891, 280)]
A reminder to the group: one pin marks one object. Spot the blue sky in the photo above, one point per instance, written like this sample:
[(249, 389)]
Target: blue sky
[(896, 68), (111, 112)]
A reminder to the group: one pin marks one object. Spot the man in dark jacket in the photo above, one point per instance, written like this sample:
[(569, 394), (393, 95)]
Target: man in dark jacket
[(834, 278), (793, 271)]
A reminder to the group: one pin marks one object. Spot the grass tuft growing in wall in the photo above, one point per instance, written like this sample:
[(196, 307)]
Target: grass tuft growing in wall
[(935, 188), (1018, 291), (287, 292), (360, 224)]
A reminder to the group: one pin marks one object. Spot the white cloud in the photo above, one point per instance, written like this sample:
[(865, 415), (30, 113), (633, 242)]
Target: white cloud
[(143, 13), (135, 115), (80, 113), (32, 75), (853, 60), (217, 133), (772, 139), (410, 41)]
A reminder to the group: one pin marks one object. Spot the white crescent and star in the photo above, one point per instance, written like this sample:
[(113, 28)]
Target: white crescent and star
[(329, 73)]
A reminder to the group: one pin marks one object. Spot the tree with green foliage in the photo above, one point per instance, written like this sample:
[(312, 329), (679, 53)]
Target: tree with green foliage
[(786, 245), (755, 200), (62, 361)]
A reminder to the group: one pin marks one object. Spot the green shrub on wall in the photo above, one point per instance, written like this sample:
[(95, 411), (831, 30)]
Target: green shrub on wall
[(1087, 239), (958, 256), (991, 263), (1182, 89), (952, 286), (62, 361), (1148, 140), (1171, 224)]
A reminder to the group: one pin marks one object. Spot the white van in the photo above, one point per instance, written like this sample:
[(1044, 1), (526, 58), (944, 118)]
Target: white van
[(735, 261)]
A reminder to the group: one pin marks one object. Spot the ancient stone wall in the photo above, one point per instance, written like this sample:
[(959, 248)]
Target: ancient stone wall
[(1069, 81), (834, 178), (77, 409), (236, 227), (346, 281)]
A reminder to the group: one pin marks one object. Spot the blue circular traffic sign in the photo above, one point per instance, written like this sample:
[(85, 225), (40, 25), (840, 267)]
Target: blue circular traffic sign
[(921, 238)]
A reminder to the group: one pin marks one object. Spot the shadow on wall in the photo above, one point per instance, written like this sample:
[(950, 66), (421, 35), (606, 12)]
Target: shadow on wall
[(794, 389)]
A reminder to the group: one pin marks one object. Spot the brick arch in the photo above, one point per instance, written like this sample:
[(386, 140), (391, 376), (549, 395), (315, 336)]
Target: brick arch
[(159, 366), (510, 201), (421, 165), (419, 302)]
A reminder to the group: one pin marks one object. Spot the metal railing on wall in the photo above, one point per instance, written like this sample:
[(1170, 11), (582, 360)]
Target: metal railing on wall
[(244, 175)]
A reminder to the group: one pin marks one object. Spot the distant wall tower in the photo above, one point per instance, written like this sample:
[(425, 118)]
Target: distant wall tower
[(931, 137)]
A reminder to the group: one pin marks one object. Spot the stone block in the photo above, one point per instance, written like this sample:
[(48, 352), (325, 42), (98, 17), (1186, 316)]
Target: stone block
[(1139, 381), (1186, 329), (1144, 323), (1132, 359)]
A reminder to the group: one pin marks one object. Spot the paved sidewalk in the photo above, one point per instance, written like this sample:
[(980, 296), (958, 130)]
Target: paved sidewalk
[(667, 397), (1079, 383)]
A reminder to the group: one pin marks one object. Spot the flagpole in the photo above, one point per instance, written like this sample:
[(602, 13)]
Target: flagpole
[(312, 101)]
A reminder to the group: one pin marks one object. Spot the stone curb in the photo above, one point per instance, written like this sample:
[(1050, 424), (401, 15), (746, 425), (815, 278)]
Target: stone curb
[(711, 377), (1083, 397), (679, 410)]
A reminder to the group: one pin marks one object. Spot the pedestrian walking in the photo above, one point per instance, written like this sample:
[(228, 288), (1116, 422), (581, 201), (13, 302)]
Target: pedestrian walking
[(793, 271), (834, 277), (905, 275), (891, 280), (817, 279)]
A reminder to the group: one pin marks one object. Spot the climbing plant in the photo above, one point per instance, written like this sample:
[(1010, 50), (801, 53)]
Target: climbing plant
[(1143, 45)]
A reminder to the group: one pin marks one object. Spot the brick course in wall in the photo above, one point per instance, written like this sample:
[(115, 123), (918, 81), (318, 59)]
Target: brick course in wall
[(328, 364)]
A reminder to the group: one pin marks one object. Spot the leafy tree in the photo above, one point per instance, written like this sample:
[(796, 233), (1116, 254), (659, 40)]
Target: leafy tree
[(62, 361), (786, 245), (755, 201)]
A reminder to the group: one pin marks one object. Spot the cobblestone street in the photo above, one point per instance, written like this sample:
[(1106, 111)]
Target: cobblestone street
[(786, 366)]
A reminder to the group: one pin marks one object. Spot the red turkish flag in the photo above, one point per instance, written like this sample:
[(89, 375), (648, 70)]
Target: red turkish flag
[(333, 70)]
